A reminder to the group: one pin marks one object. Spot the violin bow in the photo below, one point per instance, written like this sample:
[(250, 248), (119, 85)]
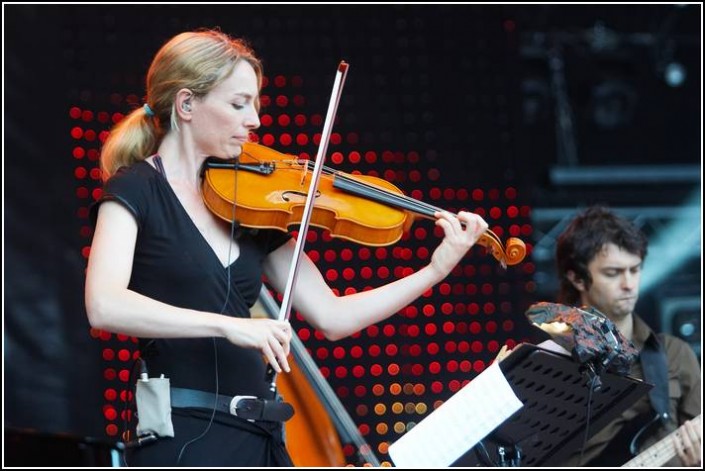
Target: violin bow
[(285, 309)]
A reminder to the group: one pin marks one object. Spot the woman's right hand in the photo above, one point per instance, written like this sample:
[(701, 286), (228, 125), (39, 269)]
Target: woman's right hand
[(271, 337)]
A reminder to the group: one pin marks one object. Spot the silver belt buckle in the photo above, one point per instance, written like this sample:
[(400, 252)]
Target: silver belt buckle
[(235, 400)]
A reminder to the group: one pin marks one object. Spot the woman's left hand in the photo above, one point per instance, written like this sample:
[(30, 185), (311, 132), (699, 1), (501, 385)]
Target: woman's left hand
[(457, 240)]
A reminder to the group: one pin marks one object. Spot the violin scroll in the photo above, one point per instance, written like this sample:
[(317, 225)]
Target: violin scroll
[(511, 255), (515, 251)]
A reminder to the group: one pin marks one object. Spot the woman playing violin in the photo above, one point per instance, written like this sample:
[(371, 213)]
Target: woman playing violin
[(165, 269)]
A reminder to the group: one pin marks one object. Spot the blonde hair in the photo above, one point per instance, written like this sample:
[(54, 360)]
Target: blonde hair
[(198, 61)]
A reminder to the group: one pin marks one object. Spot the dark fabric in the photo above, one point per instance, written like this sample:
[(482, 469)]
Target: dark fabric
[(655, 367), (229, 442), (684, 390), (174, 264)]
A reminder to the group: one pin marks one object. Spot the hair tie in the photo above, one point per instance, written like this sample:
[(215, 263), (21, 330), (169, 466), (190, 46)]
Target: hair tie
[(147, 110)]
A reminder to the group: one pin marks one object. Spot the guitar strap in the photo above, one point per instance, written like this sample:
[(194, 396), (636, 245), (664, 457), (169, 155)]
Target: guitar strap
[(655, 367)]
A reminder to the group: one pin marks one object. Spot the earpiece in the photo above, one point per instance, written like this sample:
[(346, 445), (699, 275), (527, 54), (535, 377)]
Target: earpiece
[(186, 106)]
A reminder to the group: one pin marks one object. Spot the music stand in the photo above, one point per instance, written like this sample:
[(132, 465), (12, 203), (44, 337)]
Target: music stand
[(554, 389)]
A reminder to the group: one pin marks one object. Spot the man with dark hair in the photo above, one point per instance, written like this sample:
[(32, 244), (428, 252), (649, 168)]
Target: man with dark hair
[(599, 258)]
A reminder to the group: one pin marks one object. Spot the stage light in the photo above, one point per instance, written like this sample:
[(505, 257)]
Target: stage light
[(613, 102), (674, 74)]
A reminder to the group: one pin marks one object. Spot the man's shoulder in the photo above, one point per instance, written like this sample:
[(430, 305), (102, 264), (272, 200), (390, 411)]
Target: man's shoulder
[(676, 348)]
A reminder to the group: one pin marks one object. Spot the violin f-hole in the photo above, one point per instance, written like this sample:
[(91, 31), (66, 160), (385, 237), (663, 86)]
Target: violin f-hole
[(285, 194)]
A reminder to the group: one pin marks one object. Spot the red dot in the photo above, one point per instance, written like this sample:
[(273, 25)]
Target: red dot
[(266, 120), (341, 372), (124, 355), (448, 327), (337, 158), (111, 430), (279, 81), (388, 330), (124, 375), (339, 352), (356, 351), (301, 139), (437, 387), (358, 371), (285, 139), (322, 353), (475, 327), (282, 101), (110, 413), (491, 327)]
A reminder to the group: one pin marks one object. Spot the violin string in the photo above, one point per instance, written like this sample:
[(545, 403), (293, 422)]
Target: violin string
[(409, 203), (402, 201)]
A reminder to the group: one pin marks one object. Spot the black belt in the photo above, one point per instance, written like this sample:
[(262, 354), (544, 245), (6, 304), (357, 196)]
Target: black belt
[(245, 407)]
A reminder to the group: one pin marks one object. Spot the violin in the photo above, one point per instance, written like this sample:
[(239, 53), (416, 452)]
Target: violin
[(271, 193)]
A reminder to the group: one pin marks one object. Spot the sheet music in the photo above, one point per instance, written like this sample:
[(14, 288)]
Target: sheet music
[(459, 423)]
